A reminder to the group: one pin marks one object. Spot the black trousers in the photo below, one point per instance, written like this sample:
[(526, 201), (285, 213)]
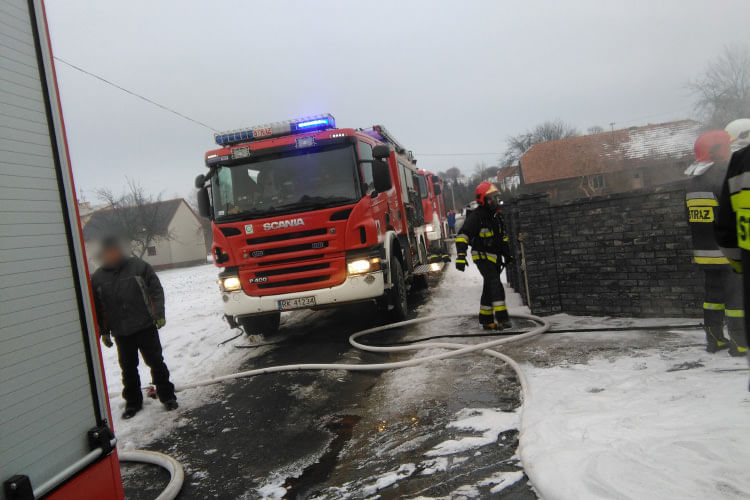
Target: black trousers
[(147, 342), (724, 305), (492, 307)]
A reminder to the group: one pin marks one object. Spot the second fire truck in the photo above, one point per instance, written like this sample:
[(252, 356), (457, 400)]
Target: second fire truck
[(306, 215)]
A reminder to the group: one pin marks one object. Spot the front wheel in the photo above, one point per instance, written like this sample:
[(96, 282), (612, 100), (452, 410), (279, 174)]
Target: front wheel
[(398, 300), (262, 324)]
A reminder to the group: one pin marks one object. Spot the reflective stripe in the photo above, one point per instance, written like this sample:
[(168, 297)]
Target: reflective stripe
[(708, 253), (485, 256), (499, 308), (734, 313), (505, 239), (741, 349), (702, 202), (700, 194), (711, 260), (460, 261), (485, 312), (462, 238), (739, 182), (736, 265), (487, 234), (740, 200), (713, 306)]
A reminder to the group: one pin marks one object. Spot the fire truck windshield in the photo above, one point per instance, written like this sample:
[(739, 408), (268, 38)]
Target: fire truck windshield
[(286, 182)]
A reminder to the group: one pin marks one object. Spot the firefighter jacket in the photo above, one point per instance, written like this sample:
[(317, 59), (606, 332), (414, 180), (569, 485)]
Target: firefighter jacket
[(702, 199), (484, 231), (733, 226), (128, 298)]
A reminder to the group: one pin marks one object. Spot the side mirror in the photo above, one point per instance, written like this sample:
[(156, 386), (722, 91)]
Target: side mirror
[(436, 188), (204, 204), (381, 151), (200, 181), (381, 175)]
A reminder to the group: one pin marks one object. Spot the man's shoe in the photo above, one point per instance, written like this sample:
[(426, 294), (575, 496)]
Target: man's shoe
[(130, 412), (171, 405), (489, 326)]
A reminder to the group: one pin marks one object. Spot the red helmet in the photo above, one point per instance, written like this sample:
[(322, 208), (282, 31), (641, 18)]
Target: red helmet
[(713, 146), (483, 190)]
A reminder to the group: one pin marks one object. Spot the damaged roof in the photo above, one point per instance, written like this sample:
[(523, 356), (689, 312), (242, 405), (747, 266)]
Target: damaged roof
[(622, 149)]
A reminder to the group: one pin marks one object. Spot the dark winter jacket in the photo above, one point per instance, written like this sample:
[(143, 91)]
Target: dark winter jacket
[(702, 199), (128, 298), (451, 219), (733, 226), (484, 231)]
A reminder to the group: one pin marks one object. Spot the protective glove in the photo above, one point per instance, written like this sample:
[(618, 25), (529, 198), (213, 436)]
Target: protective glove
[(107, 340), (160, 323)]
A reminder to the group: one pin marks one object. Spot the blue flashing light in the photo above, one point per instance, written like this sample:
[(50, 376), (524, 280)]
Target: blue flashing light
[(312, 123), (278, 129)]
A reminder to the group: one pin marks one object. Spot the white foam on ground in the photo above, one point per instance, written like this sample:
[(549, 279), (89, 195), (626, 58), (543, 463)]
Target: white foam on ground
[(628, 428), (485, 421)]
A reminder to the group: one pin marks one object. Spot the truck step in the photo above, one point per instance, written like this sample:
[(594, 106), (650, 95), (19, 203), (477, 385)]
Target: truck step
[(429, 269)]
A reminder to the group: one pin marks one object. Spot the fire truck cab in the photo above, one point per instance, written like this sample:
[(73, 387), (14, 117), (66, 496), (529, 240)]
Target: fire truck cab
[(306, 215)]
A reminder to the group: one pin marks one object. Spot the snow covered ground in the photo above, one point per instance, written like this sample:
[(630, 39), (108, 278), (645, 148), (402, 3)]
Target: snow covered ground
[(658, 424)]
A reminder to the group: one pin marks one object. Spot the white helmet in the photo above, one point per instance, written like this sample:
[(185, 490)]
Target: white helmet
[(739, 133)]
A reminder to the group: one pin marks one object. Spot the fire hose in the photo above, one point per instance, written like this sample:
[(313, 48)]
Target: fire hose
[(454, 349)]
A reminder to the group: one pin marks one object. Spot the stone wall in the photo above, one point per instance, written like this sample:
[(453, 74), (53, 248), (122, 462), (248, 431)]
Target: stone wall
[(626, 254)]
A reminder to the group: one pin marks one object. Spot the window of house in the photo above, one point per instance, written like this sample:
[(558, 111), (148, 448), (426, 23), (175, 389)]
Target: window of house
[(597, 181), (151, 251)]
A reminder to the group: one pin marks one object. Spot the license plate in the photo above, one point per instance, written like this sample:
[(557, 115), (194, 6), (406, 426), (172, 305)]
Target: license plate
[(298, 303)]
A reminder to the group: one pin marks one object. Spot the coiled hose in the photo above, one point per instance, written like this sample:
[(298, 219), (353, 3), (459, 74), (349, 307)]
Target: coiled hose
[(454, 349)]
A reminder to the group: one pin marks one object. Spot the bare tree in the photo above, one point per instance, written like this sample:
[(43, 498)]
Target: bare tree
[(550, 130), (595, 129), (134, 216), (723, 89)]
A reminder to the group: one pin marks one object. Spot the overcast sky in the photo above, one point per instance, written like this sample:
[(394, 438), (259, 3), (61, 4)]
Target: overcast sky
[(445, 77)]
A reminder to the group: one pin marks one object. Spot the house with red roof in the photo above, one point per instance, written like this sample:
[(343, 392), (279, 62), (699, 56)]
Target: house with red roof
[(608, 162)]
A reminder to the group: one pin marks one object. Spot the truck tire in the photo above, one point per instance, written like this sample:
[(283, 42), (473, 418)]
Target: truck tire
[(262, 324), (420, 282), (398, 299)]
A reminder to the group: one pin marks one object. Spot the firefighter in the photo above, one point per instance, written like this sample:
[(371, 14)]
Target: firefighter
[(723, 288), (733, 226), (483, 231), (129, 303)]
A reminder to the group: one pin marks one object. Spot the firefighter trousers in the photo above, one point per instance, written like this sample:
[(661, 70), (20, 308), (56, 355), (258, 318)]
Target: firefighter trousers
[(723, 305), (147, 342), (492, 307)]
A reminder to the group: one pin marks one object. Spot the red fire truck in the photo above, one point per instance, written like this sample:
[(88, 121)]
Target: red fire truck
[(306, 215), (433, 206)]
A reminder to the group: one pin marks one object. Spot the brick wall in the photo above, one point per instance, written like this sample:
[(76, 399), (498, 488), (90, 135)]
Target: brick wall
[(626, 254)]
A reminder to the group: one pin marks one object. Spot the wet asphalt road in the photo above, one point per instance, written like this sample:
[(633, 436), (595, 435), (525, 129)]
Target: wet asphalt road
[(328, 434)]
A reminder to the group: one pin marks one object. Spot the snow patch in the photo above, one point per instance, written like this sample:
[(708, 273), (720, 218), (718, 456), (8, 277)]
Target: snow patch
[(501, 480), (489, 422), (646, 431)]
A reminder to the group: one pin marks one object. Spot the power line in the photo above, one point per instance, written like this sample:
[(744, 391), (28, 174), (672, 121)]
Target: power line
[(134, 94)]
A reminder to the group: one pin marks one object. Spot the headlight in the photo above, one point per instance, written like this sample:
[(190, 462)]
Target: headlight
[(435, 267), (361, 266), (231, 284), (428, 228)]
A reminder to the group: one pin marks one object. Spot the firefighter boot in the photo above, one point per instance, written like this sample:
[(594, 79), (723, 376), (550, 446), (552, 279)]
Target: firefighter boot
[(715, 339), (502, 319), (737, 339)]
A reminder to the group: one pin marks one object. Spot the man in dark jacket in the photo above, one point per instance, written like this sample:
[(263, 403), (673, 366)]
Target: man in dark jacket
[(129, 303), (483, 231), (723, 289)]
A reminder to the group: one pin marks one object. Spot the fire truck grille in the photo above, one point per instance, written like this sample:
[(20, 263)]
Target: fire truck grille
[(298, 281), (289, 261), (287, 236), (317, 245), (290, 270)]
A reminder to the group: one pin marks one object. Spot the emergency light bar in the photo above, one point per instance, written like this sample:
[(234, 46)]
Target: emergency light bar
[(278, 129)]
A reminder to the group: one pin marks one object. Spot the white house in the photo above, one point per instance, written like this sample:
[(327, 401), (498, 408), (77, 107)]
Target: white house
[(183, 245)]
